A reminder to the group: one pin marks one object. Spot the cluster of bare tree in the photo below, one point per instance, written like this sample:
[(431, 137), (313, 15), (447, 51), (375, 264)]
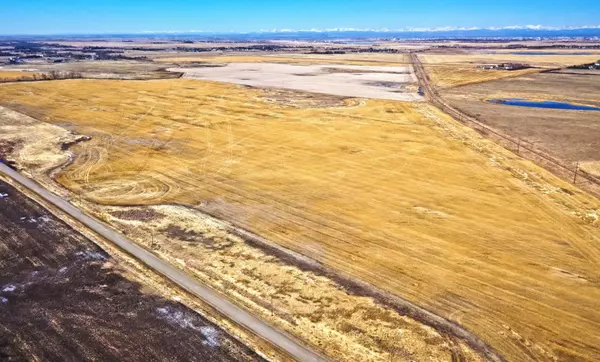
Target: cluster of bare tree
[(51, 75)]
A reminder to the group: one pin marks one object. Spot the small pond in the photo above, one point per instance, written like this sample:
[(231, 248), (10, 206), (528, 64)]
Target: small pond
[(543, 104)]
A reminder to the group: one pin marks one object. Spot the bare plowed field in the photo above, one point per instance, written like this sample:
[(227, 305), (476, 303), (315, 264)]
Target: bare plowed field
[(64, 299), (396, 194)]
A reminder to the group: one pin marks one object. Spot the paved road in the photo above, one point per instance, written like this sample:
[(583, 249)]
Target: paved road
[(242, 317)]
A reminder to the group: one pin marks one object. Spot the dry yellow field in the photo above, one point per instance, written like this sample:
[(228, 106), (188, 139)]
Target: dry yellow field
[(549, 61), (592, 167), (7, 76), (304, 59), (396, 194), (344, 325), (447, 76)]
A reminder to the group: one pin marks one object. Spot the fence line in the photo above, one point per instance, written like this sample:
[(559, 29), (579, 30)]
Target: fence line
[(518, 144)]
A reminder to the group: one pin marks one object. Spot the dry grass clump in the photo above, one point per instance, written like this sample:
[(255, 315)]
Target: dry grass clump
[(591, 167), (395, 194), (33, 145)]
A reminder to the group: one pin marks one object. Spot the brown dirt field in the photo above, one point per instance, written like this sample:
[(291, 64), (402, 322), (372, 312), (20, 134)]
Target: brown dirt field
[(569, 136), (63, 298), (396, 194)]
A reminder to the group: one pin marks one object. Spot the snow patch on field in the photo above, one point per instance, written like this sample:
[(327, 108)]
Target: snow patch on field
[(344, 80), (179, 318), (91, 255), (212, 336), (9, 288)]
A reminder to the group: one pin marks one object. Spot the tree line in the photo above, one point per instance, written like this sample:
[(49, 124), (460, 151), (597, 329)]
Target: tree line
[(51, 75)]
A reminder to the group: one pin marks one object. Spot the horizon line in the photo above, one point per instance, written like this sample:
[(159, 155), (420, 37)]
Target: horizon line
[(406, 30)]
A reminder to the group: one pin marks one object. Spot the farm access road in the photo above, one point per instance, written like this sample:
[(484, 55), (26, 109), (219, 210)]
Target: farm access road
[(236, 314)]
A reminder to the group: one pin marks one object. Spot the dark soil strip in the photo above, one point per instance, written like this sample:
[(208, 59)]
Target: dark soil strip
[(62, 299)]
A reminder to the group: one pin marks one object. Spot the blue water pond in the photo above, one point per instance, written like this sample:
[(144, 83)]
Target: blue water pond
[(543, 104)]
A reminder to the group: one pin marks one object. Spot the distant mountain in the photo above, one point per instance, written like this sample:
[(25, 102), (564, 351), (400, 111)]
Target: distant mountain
[(414, 33), (342, 34)]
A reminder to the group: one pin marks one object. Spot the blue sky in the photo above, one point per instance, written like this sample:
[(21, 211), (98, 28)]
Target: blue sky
[(130, 16)]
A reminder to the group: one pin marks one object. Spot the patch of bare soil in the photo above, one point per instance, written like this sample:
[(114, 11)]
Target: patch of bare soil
[(360, 71), (64, 299), (395, 85), (6, 147), (201, 65), (212, 243), (297, 99), (137, 214)]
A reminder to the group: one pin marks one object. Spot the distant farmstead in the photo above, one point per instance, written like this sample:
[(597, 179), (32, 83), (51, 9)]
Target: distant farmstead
[(591, 66), (504, 66)]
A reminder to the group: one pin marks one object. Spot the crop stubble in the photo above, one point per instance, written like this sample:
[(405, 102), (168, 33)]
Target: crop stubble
[(396, 194)]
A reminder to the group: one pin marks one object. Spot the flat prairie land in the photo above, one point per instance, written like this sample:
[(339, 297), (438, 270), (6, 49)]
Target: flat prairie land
[(396, 194), (343, 324), (306, 59), (116, 69), (397, 83), (547, 61), (552, 51), (567, 135), (448, 76), (452, 70), (8, 76), (63, 298)]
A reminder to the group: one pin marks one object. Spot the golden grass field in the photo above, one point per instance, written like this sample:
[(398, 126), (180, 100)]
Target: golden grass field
[(592, 167), (7, 76), (447, 76), (346, 327), (302, 59), (396, 194), (547, 61), (452, 70)]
